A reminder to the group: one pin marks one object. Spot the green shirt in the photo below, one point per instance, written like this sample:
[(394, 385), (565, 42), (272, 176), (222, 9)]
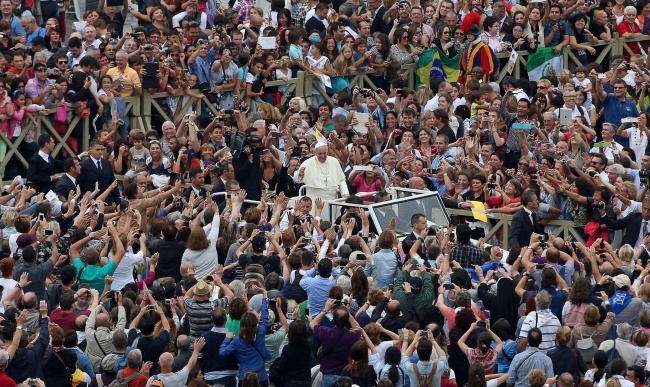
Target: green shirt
[(233, 326), (93, 275)]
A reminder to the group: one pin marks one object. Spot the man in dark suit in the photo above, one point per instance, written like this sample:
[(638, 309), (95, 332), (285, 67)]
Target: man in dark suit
[(524, 222), (42, 167), (636, 226), (226, 172), (98, 170), (378, 24), (197, 178), (68, 182)]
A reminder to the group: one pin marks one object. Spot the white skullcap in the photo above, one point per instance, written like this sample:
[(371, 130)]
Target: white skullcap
[(320, 145)]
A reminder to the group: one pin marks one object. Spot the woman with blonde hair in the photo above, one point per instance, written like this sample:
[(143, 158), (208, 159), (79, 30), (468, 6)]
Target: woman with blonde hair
[(8, 218), (298, 103), (564, 358), (374, 331), (270, 113), (270, 167), (643, 292), (343, 67), (422, 95)]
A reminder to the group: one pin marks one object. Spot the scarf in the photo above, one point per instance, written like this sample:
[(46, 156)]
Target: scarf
[(619, 301)]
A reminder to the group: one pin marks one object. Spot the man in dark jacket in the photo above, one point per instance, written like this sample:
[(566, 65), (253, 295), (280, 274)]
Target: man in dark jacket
[(219, 369), (27, 362)]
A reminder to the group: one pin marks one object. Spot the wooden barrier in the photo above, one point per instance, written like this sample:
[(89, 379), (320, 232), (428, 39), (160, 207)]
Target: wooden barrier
[(141, 108)]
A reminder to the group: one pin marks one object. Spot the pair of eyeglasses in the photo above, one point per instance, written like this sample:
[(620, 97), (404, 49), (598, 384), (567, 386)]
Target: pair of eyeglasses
[(62, 62)]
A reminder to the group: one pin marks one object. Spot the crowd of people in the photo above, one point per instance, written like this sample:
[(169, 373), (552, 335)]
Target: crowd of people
[(214, 259)]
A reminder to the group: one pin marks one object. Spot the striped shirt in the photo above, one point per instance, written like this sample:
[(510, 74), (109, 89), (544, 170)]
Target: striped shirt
[(546, 321), (200, 315)]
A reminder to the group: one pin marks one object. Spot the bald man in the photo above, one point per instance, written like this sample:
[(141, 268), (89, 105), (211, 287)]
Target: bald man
[(99, 336), (166, 363), (183, 356)]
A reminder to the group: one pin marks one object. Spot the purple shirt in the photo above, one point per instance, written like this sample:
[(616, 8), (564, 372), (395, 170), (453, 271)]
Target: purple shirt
[(33, 87), (337, 344)]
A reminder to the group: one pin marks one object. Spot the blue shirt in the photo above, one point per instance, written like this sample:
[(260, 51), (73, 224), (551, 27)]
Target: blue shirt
[(318, 289), (386, 264), (523, 363), (615, 110), (16, 27), (559, 35), (39, 32), (201, 66)]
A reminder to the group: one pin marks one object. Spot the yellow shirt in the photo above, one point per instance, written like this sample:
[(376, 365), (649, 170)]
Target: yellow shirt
[(129, 74)]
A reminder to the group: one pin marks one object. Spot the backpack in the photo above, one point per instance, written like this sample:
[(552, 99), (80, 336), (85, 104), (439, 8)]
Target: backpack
[(156, 382), (254, 274), (297, 293), (123, 382), (586, 346), (426, 381), (575, 315), (613, 354)]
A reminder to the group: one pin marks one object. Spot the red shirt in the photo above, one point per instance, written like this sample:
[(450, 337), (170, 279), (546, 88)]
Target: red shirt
[(634, 46), (140, 381), (66, 319), (5, 380)]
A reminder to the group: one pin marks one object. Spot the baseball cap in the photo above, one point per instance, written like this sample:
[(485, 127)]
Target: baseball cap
[(259, 242), (621, 281)]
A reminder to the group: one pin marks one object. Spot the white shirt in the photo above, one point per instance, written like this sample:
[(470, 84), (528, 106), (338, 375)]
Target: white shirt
[(44, 156), (608, 151), (432, 104), (73, 179), (644, 224), (124, 272), (95, 161), (576, 112)]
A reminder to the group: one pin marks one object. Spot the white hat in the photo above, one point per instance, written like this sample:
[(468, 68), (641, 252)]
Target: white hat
[(320, 145)]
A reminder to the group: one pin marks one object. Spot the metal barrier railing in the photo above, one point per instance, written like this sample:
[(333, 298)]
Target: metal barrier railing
[(561, 227)]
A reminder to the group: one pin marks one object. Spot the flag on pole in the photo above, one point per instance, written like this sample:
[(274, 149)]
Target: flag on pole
[(433, 63), (541, 62)]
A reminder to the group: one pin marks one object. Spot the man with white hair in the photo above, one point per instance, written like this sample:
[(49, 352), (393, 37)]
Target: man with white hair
[(608, 131), (322, 175), (32, 29), (622, 343), (129, 77), (569, 96), (89, 37)]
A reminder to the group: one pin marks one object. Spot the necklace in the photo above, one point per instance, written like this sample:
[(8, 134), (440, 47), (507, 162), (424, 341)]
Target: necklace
[(323, 173)]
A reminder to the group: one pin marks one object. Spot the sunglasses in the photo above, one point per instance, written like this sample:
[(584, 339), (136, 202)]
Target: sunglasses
[(62, 62)]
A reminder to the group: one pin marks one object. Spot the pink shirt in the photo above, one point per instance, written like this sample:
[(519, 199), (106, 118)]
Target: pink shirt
[(360, 184)]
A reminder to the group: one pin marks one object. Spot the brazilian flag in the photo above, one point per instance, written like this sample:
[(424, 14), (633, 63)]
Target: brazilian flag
[(433, 63)]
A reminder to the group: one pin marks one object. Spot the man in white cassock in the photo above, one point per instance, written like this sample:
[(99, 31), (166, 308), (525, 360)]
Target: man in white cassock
[(322, 175)]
